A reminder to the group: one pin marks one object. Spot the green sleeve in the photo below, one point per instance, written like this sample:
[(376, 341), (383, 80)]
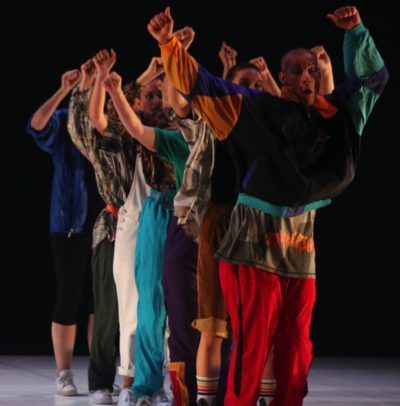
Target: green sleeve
[(366, 76), (171, 146)]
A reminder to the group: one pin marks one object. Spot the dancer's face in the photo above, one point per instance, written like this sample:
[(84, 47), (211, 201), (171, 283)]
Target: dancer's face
[(248, 77), (150, 97), (301, 74)]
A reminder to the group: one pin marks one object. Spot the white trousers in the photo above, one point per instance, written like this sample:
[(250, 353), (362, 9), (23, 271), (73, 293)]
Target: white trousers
[(124, 274)]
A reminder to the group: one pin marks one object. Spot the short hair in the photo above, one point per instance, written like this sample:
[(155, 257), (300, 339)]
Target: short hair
[(238, 67), (285, 58)]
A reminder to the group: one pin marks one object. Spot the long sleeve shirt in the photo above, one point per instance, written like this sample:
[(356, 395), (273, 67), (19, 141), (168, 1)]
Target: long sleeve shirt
[(290, 159)]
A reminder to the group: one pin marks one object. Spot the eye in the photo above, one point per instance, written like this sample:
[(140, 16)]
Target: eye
[(244, 82)]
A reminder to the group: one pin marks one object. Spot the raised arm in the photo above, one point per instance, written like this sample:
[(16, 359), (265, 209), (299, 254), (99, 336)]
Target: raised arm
[(145, 135), (174, 99), (103, 61), (154, 70), (363, 65), (88, 73), (268, 81), (43, 114), (80, 127), (217, 101), (326, 84), (227, 55), (171, 96)]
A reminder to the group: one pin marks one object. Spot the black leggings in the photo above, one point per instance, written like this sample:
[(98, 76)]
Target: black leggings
[(73, 275)]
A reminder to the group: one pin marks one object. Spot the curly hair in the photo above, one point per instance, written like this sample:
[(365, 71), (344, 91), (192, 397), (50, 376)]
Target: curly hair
[(131, 92)]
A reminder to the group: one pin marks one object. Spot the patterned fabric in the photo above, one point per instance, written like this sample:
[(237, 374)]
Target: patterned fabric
[(312, 152), (158, 174), (112, 156), (280, 245), (192, 198)]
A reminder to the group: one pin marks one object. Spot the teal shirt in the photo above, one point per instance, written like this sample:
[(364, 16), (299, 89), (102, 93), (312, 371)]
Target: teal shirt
[(172, 147)]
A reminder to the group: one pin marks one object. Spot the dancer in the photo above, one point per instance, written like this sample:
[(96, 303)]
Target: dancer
[(179, 271), (74, 201), (311, 145), (113, 157)]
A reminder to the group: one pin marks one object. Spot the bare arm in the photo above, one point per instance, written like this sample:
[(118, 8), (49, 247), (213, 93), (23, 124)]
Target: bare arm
[(145, 135), (42, 115), (179, 104), (88, 72), (267, 80), (228, 58), (103, 61), (324, 64), (154, 70)]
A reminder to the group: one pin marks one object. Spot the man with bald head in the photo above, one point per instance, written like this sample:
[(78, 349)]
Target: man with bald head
[(293, 155), (300, 72)]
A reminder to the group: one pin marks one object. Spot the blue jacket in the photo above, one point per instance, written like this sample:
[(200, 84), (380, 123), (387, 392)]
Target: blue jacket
[(69, 196)]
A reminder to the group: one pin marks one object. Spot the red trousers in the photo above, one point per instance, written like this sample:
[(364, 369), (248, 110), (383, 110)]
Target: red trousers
[(266, 309)]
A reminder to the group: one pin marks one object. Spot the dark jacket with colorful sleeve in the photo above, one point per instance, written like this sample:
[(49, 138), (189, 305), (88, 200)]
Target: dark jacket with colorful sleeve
[(287, 154)]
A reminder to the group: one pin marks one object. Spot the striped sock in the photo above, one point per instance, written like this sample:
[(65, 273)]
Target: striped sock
[(207, 388), (267, 391)]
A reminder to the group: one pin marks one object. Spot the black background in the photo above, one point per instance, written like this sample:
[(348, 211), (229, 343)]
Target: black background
[(357, 237)]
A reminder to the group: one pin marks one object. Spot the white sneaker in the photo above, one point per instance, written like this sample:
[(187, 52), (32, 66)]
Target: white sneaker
[(116, 390), (265, 401), (65, 383), (101, 397), (127, 398), (144, 401), (161, 398)]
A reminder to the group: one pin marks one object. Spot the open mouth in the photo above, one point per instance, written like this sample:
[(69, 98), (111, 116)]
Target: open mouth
[(307, 92)]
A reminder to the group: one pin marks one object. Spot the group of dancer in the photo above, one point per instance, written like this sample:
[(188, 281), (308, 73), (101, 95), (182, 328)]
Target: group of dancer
[(203, 256)]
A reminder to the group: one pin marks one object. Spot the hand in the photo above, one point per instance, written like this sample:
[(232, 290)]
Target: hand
[(113, 83), (323, 61), (88, 71), (104, 61), (345, 17), (227, 55), (155, 67), (185, 36), (261, 65), (70, 79), (161, 26)]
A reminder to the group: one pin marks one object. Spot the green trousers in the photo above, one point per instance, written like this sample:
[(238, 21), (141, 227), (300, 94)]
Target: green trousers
[(103, 352)]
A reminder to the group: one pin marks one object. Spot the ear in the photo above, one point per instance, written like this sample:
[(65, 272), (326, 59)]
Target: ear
[(136, 105), (282, 78)]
